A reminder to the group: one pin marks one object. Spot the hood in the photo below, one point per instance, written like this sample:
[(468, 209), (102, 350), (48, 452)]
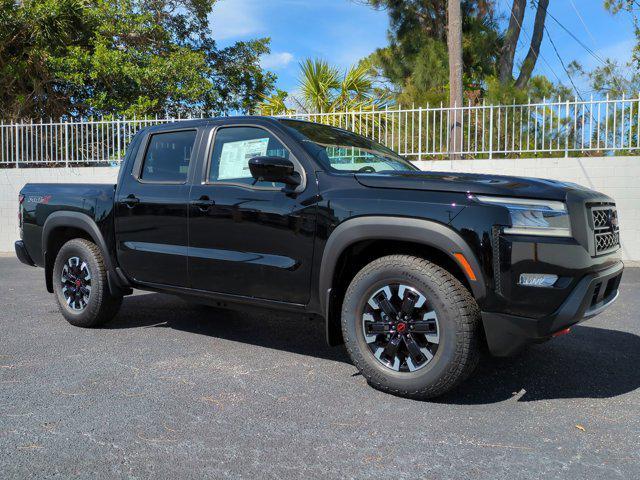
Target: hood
[(470, 182)]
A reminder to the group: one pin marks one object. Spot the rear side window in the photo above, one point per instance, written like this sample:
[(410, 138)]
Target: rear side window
[(167, 156)]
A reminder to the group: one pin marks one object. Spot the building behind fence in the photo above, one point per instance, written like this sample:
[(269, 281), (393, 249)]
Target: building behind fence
[(560, 128)]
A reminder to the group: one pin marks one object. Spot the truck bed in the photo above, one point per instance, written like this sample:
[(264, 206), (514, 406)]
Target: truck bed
[(41, 200)]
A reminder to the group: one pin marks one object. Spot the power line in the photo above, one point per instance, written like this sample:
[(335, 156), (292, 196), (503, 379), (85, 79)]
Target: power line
[(624, 74), (555, 49), (580, 42)]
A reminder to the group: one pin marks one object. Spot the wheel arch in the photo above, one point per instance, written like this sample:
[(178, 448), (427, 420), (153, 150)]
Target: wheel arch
[(429, 236), (62, 226)]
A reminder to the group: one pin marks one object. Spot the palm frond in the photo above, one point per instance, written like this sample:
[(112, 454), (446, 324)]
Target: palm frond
[(318, 80), (274, 104), (357, 82)]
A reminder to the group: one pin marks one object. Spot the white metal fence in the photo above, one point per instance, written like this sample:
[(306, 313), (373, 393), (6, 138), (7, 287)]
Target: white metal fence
[(550, 128), (68, 143)]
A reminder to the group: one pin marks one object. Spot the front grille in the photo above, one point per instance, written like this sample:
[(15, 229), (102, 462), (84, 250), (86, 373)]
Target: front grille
[(605, 228)]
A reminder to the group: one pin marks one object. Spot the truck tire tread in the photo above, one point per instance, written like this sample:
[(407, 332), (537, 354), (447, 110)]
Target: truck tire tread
[(102, 306), (464, 310)]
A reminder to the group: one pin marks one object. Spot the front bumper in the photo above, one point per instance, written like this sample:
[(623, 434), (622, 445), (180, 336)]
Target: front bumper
[(507, 334), (22, 254)]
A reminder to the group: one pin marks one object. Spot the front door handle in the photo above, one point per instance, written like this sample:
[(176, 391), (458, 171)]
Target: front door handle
[(131, 201), (204, 203)]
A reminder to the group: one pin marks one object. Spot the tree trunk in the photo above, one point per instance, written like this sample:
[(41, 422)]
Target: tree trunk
[(536, 39), (454, 44), (511, 41)]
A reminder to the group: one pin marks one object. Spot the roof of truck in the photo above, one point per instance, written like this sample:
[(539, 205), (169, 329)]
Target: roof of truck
[(199, 122)]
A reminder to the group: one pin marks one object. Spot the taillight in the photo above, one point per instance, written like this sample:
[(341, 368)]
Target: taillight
[(559, 333), (20, 199)]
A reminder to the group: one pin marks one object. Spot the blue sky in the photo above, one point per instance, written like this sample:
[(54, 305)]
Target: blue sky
[(343, 31)]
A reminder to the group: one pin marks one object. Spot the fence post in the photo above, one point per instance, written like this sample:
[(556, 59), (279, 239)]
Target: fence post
[(419, 133), (566, 138), (119, 139), (386, 125), (16, 144), (66, 143), (490, 131)]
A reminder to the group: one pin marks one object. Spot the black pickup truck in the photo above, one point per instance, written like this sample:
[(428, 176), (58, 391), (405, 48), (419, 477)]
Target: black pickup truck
[(413, 271)]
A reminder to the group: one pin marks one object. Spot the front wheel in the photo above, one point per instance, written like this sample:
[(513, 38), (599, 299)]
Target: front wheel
[(410, 327), (80, 285)]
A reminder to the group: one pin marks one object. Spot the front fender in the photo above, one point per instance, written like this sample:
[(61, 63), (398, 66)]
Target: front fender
[(426, 232)]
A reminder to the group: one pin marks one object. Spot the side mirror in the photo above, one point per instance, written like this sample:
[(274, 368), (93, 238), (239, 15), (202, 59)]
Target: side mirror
[(274, 169)]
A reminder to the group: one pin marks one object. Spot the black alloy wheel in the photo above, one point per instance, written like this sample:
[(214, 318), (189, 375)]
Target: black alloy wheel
[(410, 326), (81, 284), (400, 327), (76, 283)]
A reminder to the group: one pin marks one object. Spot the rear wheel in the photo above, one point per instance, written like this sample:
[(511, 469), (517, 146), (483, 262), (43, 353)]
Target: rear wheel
[(80, 285), (410, 327)]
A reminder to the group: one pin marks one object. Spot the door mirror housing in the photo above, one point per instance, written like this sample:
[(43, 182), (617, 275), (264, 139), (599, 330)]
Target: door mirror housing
[(274, 169)]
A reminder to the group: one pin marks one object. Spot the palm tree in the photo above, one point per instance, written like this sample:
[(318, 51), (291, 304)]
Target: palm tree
[(274, 104), (318, 83), (324, 89), (326, 94)]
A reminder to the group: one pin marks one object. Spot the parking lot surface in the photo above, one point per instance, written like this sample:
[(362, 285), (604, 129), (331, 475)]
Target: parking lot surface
[(173, 390)]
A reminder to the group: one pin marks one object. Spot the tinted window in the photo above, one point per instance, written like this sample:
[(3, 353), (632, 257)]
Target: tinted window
[(167, 156), (345, 151), (235, 146)]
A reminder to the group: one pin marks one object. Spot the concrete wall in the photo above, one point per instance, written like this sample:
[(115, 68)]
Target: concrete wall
[(12, 180), (618, 177)]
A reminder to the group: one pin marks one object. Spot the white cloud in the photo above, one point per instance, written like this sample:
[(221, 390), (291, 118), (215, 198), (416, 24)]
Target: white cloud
[(276, 60), (231, 19)]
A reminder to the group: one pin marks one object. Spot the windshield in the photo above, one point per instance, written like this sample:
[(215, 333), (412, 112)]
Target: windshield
[(344, 151)]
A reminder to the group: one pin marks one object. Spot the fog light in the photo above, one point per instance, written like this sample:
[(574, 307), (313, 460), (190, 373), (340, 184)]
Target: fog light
[(537, 280)]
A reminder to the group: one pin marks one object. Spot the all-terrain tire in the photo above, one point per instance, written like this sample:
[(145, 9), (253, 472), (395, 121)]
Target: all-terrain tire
[(458, 320), (99, 306)]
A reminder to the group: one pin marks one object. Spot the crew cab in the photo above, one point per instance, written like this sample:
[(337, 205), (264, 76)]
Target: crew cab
[(412, 270)]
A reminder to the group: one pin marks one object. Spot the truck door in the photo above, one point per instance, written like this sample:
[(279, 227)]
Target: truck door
[(249, 238), (151, 208)]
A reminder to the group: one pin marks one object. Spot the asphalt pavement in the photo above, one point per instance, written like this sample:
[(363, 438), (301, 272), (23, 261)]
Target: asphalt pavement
[(173, 390)]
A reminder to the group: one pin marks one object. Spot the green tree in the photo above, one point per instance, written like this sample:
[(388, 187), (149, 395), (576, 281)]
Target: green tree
[(511, 37), (615, 6), (102, 57), (618, 7), (611, 78), (324, 88), (275, 104), (416, 60)]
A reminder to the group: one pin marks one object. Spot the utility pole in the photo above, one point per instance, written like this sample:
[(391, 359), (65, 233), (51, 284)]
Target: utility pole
[(454, 44)]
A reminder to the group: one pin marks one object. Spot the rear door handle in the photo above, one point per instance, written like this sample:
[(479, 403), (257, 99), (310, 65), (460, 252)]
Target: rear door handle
[(204, 203), (131, 201)]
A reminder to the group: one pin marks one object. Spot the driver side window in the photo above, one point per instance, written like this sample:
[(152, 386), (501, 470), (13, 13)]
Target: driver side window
[(233, 148)]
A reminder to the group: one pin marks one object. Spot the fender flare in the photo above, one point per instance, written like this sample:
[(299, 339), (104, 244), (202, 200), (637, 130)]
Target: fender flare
[(426, 232), (85, 223)]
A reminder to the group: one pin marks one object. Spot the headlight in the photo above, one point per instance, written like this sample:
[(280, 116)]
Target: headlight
[(534, 217)]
